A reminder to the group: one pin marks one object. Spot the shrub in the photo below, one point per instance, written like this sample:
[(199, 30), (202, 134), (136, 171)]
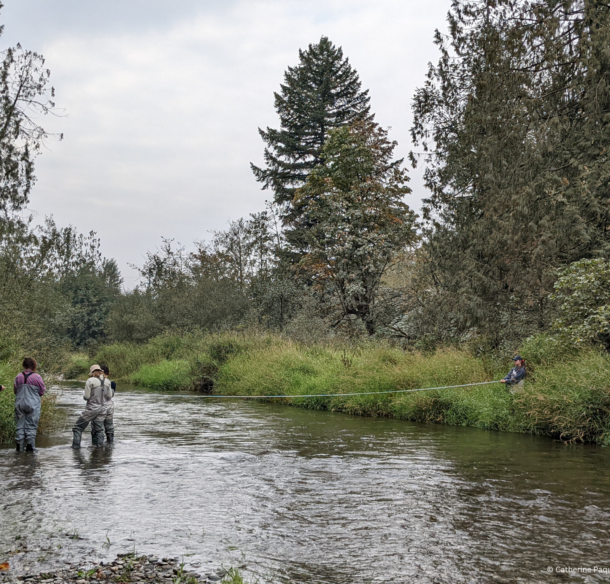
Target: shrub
[(78, 366)]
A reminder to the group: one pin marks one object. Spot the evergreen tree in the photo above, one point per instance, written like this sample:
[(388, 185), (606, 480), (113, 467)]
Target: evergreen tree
[(321, 93), (516, 120)]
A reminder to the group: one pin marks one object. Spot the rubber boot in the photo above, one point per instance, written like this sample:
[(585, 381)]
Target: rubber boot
[(77, 432), (76, 438), (97, 432), (17, 447), (110, 437), (97, 438), (30, 448)]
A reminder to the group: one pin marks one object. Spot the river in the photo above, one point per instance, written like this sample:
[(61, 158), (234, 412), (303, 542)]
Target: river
[(307, 497)]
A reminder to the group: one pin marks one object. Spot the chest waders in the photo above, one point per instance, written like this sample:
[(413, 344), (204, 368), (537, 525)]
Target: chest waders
[(95, 412), (27, 414), (109, 422)]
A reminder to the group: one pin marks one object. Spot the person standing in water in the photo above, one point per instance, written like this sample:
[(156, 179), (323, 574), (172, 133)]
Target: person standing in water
[(98, 392), (516, 376), (29, 389), (109, 413)]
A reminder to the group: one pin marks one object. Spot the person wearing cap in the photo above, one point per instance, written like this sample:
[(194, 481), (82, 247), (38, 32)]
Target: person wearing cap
[(98, 393), (516, 376)]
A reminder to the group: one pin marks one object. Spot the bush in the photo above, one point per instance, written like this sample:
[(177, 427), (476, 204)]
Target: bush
[(545, 349), (78, 366)]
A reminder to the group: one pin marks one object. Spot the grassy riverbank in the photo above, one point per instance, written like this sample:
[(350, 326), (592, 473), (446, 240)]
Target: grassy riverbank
[(567, 395)]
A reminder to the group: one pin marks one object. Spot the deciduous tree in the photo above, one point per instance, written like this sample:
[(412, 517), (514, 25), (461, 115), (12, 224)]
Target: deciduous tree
[(356, 218)]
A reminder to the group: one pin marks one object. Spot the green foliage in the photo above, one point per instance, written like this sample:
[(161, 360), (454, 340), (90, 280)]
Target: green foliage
[(582, 293), (566, 393), (321, 93), (570, 400), (164, 375), (77, 366), (353, 219), (514, 121), (24, 97), (91, 291), (233, 576), (546, 349)]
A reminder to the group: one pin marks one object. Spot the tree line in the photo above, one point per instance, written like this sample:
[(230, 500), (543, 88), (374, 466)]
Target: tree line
[(512, 127)]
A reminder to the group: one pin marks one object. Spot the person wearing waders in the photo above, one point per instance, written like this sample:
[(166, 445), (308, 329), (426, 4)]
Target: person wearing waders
[(29, 388), (109, 414), (98, 393), (516, 376)]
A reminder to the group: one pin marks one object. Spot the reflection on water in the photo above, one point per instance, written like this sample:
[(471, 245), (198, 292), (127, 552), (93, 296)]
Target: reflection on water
[(307, 497)]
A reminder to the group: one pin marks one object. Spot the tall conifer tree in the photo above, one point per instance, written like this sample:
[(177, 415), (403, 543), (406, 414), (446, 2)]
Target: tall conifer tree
[(321, 93), (516, 120)]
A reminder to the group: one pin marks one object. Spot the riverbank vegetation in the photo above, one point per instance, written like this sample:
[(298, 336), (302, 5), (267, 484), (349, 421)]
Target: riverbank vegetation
[(337, 282), (567, 394)]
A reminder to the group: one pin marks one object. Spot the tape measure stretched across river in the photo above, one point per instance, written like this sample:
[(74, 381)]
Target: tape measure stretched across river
[(212, 396)]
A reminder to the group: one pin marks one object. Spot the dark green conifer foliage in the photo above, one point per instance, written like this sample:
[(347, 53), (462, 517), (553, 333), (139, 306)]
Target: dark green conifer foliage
[(321, 93), (516, 121)]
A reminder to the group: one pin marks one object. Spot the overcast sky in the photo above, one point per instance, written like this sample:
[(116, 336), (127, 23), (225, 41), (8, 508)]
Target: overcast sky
[(161, 101)]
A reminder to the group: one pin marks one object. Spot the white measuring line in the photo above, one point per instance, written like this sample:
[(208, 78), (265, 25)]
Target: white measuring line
[(336, 394)]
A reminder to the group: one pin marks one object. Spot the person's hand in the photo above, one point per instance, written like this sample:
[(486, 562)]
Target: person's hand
[(2, 388), (503, 381)]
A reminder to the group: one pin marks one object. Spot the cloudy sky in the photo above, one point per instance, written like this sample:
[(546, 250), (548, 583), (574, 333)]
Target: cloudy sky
[(161, 101)]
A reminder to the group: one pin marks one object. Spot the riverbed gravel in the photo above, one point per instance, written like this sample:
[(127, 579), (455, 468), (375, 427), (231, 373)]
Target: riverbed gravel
[(126, 568)]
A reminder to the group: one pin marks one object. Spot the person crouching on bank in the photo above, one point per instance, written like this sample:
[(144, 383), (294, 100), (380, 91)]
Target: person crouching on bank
[(516, 376), (29, 389), (98, 393)]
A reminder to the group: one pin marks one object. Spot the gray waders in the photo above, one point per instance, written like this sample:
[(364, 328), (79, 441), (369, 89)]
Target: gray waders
[(100, 395), (109, 423), (27, 415)]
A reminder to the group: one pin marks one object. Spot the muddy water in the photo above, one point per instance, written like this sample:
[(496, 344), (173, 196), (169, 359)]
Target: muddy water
[(300, 496)]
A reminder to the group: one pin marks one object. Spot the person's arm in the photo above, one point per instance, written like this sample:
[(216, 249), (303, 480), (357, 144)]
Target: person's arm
[(38, 382), (519, 375), (88, 385), (507, 378), (2, 388)]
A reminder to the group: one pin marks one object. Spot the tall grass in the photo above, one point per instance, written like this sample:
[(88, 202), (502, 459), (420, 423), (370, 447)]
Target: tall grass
[(567, 393)]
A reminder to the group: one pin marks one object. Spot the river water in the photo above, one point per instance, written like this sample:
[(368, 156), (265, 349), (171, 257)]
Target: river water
[(307, 497)]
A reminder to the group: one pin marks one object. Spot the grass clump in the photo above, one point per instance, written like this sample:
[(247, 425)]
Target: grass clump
[(233, 576), (164, 375)]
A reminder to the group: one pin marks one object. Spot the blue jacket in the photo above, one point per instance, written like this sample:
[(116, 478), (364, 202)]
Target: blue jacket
[(515, 375)]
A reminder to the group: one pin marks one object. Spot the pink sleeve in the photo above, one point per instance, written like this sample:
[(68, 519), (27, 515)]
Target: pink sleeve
[(40, 383)]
